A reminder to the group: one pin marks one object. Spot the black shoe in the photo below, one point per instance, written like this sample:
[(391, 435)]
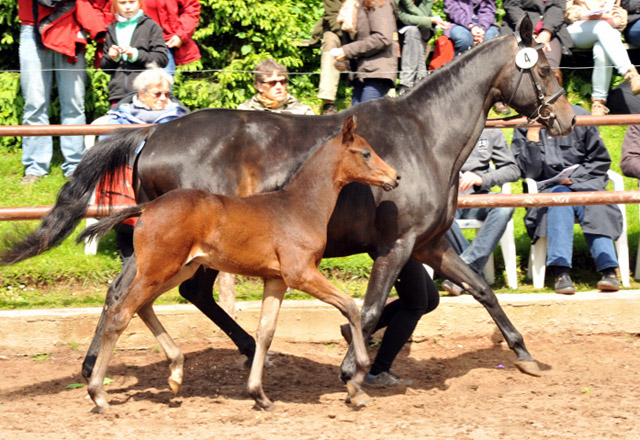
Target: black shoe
[(329, 109), (564, 285), (609, 282), (402, 90), (386, 379)]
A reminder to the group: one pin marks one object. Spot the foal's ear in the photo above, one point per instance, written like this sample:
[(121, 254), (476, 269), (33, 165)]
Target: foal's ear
[(348, 130), (525, 29)]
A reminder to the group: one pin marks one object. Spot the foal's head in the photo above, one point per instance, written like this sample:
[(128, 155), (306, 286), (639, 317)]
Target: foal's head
[(360, 163)]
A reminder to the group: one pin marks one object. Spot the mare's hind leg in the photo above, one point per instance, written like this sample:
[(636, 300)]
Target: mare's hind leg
[(314, 283), (451, 266), (169, 347), (116, 290), (274, 290), (199, 291)]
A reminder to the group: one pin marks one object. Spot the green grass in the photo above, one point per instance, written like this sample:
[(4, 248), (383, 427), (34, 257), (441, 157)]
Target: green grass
[(66, 277)]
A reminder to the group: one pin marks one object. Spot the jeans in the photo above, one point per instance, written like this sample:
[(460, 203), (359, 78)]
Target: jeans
[(170, 68), (37, 70), (560, 220), (413, 63), (477, 253), (632, 33), (463, 40), (608, 49), (370, 88)]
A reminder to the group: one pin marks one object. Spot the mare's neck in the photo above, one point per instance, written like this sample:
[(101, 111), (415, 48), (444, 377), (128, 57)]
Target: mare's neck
[(315, 187)]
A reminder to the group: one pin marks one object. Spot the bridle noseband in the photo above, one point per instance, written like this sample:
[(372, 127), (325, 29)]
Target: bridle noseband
[(544, 111)]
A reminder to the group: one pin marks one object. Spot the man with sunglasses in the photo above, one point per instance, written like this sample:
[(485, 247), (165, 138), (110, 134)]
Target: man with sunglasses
[(272, 96)]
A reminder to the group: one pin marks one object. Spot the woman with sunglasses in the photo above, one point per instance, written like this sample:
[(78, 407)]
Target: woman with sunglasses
[(270, 80)]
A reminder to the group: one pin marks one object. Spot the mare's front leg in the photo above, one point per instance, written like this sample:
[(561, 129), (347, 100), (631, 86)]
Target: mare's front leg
[(199, 291), (447, 263), (274, 290), (314, 283), (384, 272), (169, 347), (116, 290)]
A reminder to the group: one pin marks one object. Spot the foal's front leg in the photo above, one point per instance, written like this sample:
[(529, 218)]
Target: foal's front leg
[(274, 290)]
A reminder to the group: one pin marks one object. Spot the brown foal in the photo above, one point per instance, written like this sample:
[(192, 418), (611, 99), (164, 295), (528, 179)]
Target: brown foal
[(279, 236)]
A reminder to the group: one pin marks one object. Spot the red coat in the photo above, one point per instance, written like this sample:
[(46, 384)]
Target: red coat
[(60, 28), (177, 17)]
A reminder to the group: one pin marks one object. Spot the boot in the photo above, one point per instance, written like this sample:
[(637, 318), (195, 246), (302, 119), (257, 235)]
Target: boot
[(633, 79), (598, 107)]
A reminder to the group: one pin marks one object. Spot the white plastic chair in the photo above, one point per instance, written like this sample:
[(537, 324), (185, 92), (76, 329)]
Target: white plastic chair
[(538, 254), (91, 246), (507, 245)]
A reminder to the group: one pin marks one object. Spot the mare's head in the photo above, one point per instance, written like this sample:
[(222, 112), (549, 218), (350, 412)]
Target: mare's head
[(529, 85), (360, 163)]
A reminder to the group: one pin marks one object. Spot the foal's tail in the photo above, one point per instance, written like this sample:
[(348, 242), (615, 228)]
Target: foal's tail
[(102, 227), (105, 158)]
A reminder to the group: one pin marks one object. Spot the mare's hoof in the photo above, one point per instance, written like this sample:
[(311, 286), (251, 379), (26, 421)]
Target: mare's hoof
[(265, 406), (174, 385), (529, 367), (356, 396), (100, 409)]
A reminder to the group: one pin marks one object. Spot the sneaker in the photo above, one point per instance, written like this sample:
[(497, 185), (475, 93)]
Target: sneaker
[(29, 179), (598, 108), (452, 288), (402, 89), (609, 282), (564, 285), (329, 109), (386, 379)]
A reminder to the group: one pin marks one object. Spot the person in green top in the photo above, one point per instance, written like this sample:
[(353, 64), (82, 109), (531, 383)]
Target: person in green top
[(415, 27), (133, 43)]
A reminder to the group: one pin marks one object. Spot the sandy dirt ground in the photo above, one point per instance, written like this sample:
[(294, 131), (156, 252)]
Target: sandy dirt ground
[(463, 389)]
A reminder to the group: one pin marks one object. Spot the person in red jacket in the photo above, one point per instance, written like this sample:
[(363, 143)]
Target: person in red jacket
[(53, 36)]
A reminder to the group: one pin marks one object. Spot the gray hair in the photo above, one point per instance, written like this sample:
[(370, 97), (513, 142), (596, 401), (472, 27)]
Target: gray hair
[(152, 76), (266, 68)]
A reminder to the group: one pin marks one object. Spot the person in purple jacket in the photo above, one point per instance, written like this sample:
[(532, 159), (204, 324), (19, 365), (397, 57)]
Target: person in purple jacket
[(472, 22)]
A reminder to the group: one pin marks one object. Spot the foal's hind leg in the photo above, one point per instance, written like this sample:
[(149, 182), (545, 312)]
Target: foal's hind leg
[(451, 266), (274, 290), (169, 347), (314, 283)]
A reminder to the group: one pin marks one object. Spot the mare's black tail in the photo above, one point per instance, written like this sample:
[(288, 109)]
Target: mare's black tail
[(105, 157), (102, 227)]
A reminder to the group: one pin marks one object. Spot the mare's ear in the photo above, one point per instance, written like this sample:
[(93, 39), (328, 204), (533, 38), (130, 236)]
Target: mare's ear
[(348, 130), (525, 29)]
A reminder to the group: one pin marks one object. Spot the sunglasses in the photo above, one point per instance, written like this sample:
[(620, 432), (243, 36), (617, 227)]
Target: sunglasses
[(273, 83), (158, 95)]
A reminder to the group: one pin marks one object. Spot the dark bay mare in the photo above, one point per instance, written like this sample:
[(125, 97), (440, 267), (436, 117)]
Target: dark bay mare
[(426, 135), (185, 229)]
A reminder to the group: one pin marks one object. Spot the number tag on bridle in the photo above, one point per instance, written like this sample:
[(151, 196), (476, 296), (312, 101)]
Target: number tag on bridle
[(526, 58)]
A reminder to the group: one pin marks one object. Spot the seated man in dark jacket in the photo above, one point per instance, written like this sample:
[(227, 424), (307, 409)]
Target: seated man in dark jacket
[(543, 157)]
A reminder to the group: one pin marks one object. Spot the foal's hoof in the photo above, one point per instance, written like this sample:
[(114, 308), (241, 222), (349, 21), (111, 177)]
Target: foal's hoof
[(100, 409), (529, 367), (174, 385), (356, 396)]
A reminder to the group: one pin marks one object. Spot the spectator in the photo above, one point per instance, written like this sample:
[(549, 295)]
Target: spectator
[(632, 31), (270, 80), (542, 157), (622, 101), (52, 45), (478, 177), (151, 103), (418, 25), (178, 20), (134, 42), (373, 54), (602, 32), (550, 28), (472, 22), (328, 30)]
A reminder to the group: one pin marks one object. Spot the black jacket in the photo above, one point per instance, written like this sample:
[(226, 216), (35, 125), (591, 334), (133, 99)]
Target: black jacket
[(148, 39)]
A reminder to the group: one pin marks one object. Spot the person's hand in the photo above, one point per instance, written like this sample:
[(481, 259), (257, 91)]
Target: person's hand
[(609, 18), (533, 134), (439, 22), (338, 53), (565, 181), (114, 52), (129, 51), (544, 37), (469, 179), (174, 41)]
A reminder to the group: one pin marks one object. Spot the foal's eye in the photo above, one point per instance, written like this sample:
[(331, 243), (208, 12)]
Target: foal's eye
[(545, 71), (366, 154)]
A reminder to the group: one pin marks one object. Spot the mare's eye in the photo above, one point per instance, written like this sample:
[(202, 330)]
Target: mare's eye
[(545, 71), (366, 154)]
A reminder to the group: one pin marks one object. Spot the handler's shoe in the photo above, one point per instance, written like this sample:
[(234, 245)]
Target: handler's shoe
[(386, 379), (564, 285), (609, 282)]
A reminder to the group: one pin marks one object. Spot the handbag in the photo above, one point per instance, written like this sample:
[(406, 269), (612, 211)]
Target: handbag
[(443, 52), (348, 16)]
